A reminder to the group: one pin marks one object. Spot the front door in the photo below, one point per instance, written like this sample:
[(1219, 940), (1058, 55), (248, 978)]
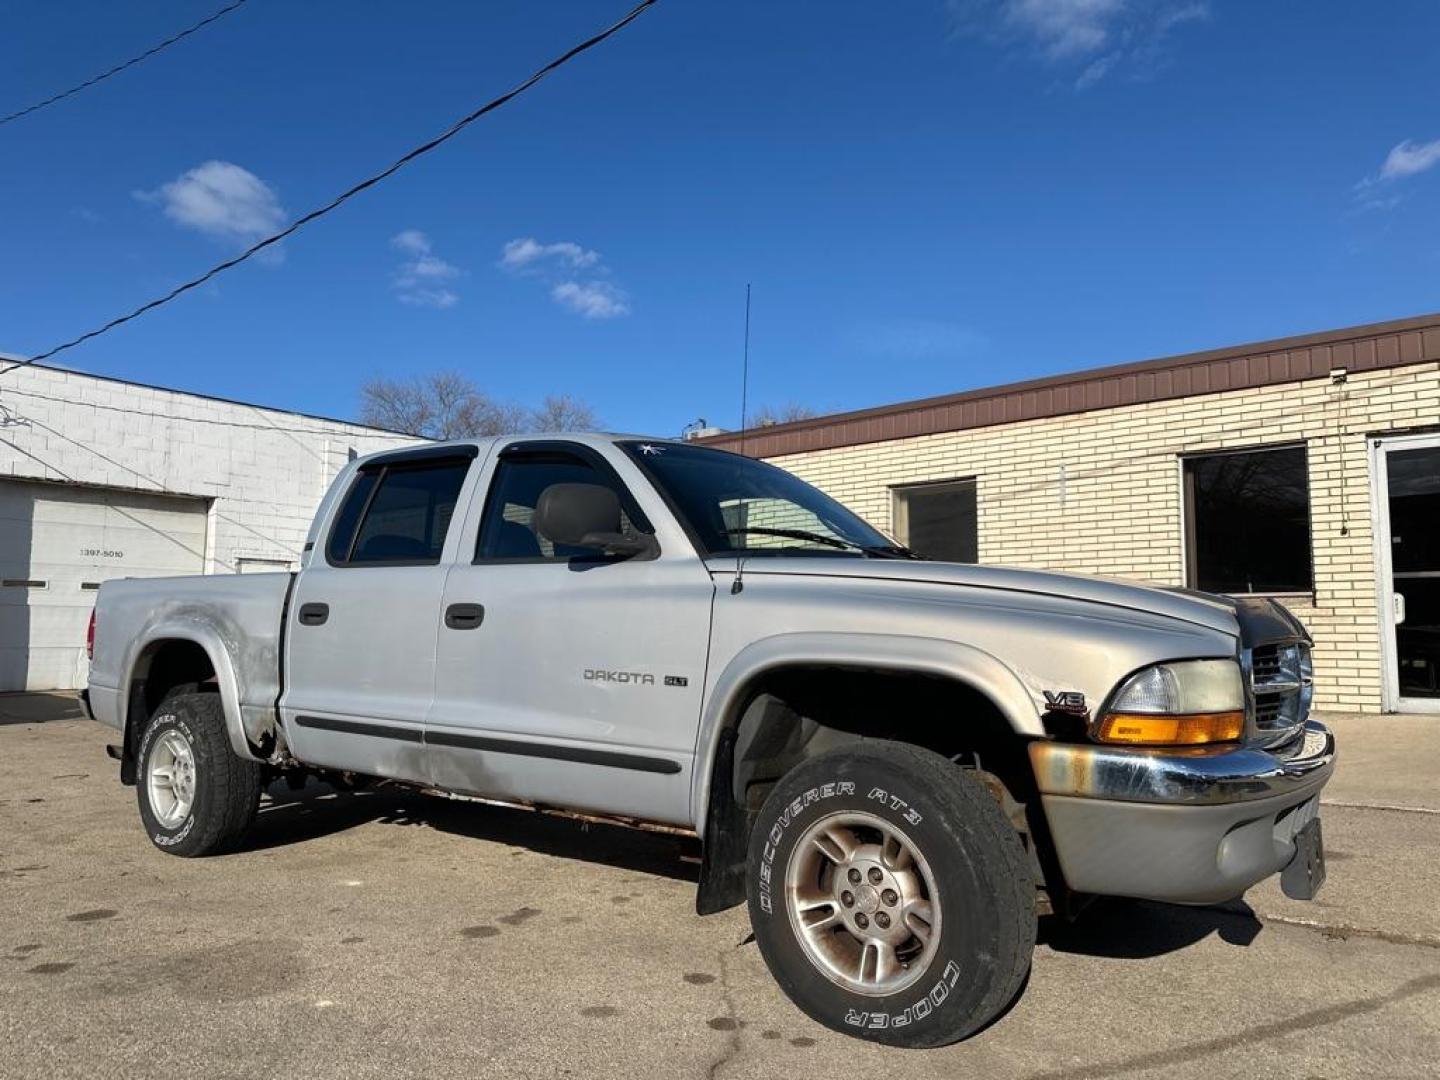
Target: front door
[(363, 618), (1407, 471), (572, 679)]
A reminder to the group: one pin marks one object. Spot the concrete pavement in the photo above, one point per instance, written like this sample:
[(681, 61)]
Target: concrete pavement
[(390, 935)]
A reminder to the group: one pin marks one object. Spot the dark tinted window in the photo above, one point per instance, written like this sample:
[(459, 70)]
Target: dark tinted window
[(939, 520), (737, 504), (508, 528), (406, 513), (1249, 519), (342, 533), (1414, 478)]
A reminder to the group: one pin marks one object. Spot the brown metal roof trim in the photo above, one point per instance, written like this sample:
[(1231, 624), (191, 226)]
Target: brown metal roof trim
[(1309, 356)]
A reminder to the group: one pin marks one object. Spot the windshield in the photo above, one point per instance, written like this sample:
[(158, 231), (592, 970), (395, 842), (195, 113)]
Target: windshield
[(736, 505)]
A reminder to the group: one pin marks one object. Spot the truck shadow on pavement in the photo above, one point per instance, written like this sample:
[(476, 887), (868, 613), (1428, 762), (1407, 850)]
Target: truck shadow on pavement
[(1121, 929), (1110, 928), (291, 817)]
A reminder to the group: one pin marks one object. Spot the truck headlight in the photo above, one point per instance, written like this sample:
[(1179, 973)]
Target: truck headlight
[(1183, 703)]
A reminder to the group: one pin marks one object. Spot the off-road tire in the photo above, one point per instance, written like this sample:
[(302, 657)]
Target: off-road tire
[(982, 876), (226, 786)]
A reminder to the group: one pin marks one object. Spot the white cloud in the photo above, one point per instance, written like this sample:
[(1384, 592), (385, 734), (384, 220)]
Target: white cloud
[(222, 200), (592, 299), (418, 280), (1064, 27), (411, 241), (1377, 193), (1410, 158), (1103, 35), (527, 252), (1096, 70)]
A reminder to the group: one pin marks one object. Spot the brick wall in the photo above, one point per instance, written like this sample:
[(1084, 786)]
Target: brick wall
[(263, 470), (1100, 492)]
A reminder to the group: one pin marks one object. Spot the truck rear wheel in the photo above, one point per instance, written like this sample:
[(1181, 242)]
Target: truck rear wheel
[(197, 796), (890, 897)]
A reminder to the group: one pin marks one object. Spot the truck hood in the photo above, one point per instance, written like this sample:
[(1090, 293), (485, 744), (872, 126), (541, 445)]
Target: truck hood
[(1220, 613)]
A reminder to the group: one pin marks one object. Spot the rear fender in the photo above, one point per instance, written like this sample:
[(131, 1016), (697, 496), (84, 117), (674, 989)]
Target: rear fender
[(247, 728)]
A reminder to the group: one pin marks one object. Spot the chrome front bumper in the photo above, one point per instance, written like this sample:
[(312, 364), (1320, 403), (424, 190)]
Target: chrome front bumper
[(1202, 775), (1191, 827)]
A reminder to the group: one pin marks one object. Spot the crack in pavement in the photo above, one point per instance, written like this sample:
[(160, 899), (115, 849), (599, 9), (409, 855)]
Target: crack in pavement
[(1188, 1053), (732, 1041), (1340, 931), (1393, 808)]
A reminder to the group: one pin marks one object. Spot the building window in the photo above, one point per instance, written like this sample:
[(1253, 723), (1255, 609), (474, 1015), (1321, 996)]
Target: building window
[(938, 520), (1248, 521)]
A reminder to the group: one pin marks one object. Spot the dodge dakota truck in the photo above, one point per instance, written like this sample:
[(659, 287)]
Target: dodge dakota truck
[(898, 763)]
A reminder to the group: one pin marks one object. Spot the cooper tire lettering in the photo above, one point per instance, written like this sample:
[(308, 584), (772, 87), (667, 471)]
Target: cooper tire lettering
[(225, 792), (980, 871), (793, 809)]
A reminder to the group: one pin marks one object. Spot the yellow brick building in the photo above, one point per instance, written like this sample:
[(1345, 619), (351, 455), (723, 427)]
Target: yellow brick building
[(1306, 468)]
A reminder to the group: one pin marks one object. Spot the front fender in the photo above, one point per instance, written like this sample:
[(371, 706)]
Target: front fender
[(208, 638), (963, 663)]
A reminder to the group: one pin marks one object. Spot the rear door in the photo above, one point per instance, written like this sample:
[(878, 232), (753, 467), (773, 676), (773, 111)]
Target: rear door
[(360, 632), (576, 679)]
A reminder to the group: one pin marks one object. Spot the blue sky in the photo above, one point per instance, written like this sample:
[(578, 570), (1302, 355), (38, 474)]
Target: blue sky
[(927, 196)]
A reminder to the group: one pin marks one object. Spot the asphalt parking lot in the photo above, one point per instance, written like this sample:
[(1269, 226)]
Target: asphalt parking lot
[(393, 935)]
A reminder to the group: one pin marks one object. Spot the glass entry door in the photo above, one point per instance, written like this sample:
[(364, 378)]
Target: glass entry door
[(1408, 475)]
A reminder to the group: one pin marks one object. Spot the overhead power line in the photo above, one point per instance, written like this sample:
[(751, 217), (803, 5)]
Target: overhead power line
[(299, 223), (121, 67)]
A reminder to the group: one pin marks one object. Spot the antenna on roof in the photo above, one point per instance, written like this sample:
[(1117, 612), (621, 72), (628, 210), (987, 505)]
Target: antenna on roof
[(745, 370), (739, 583)]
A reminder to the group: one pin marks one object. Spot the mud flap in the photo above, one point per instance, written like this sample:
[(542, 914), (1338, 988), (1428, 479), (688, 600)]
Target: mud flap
[(1302, 878)]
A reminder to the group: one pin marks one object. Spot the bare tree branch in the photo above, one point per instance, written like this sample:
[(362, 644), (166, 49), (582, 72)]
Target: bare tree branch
[(561, 412), (780, 414), (442, 405), (448, 405)]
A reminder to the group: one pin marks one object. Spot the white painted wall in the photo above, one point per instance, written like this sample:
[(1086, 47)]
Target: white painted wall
[(262, 470)]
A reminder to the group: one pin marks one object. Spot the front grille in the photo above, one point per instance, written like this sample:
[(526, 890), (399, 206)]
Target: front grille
[(1281, 685)]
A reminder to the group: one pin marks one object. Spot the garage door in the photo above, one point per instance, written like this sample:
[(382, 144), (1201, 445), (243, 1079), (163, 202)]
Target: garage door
[(57, 544)]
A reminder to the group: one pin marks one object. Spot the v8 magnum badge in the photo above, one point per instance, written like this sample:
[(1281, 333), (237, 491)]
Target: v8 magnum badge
[(1071, 702)]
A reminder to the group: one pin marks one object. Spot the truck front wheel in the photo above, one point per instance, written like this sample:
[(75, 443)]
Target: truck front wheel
[(197, 796), (890, 897)]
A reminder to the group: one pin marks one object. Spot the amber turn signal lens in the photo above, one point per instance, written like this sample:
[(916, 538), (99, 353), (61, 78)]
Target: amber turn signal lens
[(1138, 729)]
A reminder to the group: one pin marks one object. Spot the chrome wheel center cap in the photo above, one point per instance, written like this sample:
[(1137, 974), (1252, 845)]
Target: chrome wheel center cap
[(867, 899)]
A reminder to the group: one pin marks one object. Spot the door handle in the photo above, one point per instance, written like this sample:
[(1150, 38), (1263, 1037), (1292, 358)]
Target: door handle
[(314, 614), (1397, 601), (464, 616)]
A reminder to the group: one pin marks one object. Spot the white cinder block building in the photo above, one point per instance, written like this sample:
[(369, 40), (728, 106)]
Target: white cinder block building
[(101, 478), (1306, 468)]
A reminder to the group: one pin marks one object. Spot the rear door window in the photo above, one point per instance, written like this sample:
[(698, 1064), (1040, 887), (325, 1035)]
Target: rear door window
[(397, 515)]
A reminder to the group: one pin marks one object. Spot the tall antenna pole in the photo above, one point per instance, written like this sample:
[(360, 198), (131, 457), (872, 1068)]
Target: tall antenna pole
[(738, 584), (745, 371)]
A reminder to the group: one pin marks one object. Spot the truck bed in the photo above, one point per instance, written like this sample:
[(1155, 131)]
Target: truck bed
[(237, 618)]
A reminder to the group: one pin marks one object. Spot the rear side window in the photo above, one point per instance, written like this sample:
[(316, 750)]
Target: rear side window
[(397, 514)]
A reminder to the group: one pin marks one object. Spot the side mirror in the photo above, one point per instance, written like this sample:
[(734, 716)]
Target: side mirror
[(588, 516)]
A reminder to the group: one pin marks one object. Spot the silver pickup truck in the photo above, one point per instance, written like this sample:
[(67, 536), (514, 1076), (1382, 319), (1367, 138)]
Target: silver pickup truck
[(898, 763)]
